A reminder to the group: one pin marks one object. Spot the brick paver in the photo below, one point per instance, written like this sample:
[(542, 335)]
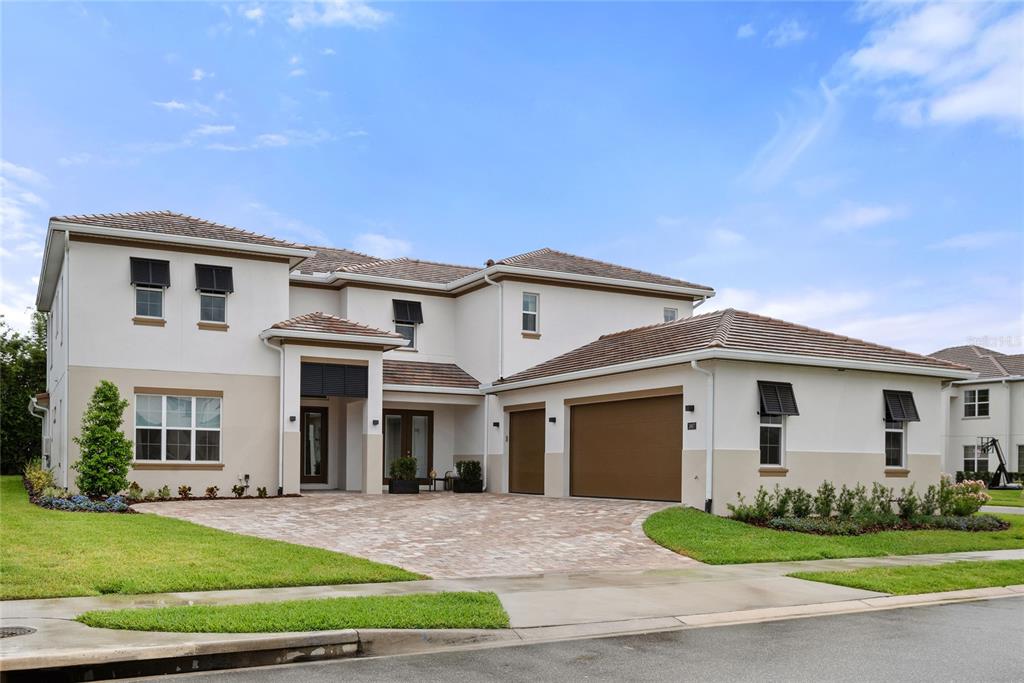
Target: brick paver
[(445, 535)]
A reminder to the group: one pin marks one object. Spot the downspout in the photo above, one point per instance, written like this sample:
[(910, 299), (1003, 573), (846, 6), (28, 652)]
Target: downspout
[(33, 406), (280, 417), (709, 435), (698, 303), (501, 360)]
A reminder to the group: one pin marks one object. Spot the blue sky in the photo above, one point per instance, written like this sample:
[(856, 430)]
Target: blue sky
[(854, 167)]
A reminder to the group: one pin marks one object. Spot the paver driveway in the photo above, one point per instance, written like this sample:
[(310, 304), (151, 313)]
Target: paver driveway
[(445, 535)]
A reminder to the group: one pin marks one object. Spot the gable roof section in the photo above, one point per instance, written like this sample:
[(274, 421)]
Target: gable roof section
[(986, 362), (329, 259), (413, 270), (415, 373), (721, 332), (325, 323), (561, 262)]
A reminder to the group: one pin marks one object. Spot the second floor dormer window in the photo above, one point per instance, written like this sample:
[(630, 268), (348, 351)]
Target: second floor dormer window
[(976, 403), (214, 283), (531, 312), (407, 314), (150, 278)]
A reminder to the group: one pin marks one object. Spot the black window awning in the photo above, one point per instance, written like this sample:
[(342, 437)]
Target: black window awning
[(216, 279), (325, 379), (150, 272), (900, 406), (777, 398), (409, 312)]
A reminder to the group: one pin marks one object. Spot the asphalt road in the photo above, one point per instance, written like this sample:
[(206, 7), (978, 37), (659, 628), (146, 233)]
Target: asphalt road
[(975, 641)]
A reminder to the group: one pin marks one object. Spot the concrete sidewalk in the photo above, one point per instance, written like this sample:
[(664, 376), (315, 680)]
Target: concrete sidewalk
[(1002, 509), (539, 606)]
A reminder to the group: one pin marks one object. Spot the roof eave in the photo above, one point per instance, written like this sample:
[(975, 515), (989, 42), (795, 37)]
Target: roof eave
[(432, 389), (49, 269), (990, 380), (358, 339)]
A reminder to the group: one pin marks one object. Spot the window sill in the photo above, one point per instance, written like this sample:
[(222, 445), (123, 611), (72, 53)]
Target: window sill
[(773, 471), (152, 322), (976, 417), (895, 472), (531, 335), (218, 327), (182, 465)]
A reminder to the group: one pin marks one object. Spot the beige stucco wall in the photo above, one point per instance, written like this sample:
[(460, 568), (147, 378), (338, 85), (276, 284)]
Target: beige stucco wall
[(248, 428)]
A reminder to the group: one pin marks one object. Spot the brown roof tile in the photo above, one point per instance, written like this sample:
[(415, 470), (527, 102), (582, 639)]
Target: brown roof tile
[(986, 362), (413, 269), (561, 262), (171, 223), (329, 260), (727, 329), (415, 373), (331, 324)]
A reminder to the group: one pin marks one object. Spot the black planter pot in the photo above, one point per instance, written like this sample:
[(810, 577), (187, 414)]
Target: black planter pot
[(403, 486), (463, 486)]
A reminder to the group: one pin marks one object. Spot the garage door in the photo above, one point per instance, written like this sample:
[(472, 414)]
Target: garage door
[(627, 449), (526, 451)]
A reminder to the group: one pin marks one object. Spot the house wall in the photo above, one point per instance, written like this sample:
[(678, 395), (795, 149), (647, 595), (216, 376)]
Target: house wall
[(435, 337), (476, 333), (57, 348), (302, 300), (1005, 422)]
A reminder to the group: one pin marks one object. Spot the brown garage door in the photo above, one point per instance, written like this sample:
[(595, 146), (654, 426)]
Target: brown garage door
[(526, 451), (628, 449)]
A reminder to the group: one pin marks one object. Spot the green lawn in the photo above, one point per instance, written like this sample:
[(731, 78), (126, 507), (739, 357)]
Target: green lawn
[(927, 578), (47, 553), (423, 610), (717, 540), (1007, 497)]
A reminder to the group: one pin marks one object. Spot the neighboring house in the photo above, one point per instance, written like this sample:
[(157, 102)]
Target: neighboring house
[(247, 359), (989, 406)]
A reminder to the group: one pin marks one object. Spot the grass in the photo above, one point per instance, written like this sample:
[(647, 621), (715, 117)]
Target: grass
[(48, 553), (426, 610), (1013, 498), (926, 578), (717, 540)]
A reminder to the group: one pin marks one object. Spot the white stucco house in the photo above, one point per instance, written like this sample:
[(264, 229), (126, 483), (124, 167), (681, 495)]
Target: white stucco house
[(990, 406), (248, 359)]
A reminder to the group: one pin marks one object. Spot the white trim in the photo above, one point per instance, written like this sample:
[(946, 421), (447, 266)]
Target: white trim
[(781, 426), (391, 343), (221, 295), (163, 428), (675, 314), (535, 313), (150, 288), (728, 354), (426, 389), (902, 431), (989, 380)]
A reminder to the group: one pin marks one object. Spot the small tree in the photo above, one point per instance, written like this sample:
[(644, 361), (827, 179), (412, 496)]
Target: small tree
[(106, 451)]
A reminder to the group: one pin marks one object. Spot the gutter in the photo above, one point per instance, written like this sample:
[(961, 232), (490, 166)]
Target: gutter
[(365, 340), (280, 415), (709, 436), (432, 389)]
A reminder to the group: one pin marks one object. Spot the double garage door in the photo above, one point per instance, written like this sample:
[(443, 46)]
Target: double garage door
[(617, 449)]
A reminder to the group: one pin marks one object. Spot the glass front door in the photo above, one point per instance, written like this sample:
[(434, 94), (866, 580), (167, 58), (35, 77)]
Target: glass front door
[(314, 446), (409, 433)]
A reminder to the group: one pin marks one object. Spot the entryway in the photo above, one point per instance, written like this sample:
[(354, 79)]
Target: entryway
[(409, 433), (314, 429), (526, 451)]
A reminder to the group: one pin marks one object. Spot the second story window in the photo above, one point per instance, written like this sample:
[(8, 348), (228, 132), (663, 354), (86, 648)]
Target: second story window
[(151, 278), (976, 403), (531, 312), (671, 314), (408, 315), (214, 283)]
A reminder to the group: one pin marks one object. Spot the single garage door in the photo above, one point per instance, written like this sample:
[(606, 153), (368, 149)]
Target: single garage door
[(627, 449), (526, 451)]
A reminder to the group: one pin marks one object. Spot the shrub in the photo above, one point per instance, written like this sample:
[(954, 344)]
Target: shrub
[(84, 504), (261, 491), (212, 491), (908, 504), (966, 498), (469, 470), (164, 493), (862, 505), (825, 499), (37, 478), (930, 501), (817, 525), (758, 513), (184, 492), (403, 469), (106, 451), (846, 503), (881, 499), (134, 491), (238, 490), (150, 495), (54, 492), (972, 523), (801, 502), (780, 502)]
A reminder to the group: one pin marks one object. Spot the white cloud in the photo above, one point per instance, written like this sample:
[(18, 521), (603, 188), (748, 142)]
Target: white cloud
[(352, 13), (171, 105), (16, 304), (946, 63), (786, 33), (294, 59), (294, 73), (851, 216), (356, 134), (278, 224), (199, 74), (22, 229), (192, 107), (328, 52), (22, 173), (272, 140), (254, 14), (746, 31), (976, 240), (208, 129), (381, 245), (288, 138)]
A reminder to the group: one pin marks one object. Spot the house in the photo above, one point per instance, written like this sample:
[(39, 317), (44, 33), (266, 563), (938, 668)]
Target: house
[(247, 359), (988, 406)]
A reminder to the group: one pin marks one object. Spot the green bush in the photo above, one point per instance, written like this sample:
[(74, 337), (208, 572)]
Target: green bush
[(403, 469), (780, 502), (963, 498), (54, 492), (238, 490), (881, 499), (825, 499), (184, 492), (908, 504), (801, 503), (106, 451), (133, 492), (972, 523), (212, 491), (37, 478), (846, 502), (827, 526), (261, 491), (164, 493), (469, 470), (150, 496), (930, 501)]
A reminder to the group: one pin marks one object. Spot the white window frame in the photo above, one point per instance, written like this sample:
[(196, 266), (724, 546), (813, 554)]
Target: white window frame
[(193, 429), (975, 403), (163, 303), (902, 431), (975, 457), (535, 314), (764, 421), (667, 311), (415, 334), (219, 295)]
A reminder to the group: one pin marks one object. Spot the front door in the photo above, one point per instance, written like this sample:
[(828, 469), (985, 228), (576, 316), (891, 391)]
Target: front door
[(526, 451), (409, 433), (314, 446)]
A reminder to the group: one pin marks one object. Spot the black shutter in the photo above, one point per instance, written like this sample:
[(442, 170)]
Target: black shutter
[(900, 406), (334, 380), (327, 379), (214, 279), (312, 379), (357, 381), (150, 272), (408, 312), (777, 398)]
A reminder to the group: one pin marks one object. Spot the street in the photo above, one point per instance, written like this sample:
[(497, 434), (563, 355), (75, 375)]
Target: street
[(974, 641)]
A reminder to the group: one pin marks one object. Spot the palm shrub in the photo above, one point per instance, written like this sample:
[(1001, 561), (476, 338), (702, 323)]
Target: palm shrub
[(106, 451), (825, 499)]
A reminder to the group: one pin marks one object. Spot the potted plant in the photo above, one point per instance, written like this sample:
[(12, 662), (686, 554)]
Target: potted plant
[(469, 479), (403, 476)]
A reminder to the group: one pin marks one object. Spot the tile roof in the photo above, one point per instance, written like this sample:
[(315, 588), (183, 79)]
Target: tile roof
[(329, 259), (415, 373), (171, 223), (986, 362), (331, 324), (561, 262), (727, 329), (413, 269)]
